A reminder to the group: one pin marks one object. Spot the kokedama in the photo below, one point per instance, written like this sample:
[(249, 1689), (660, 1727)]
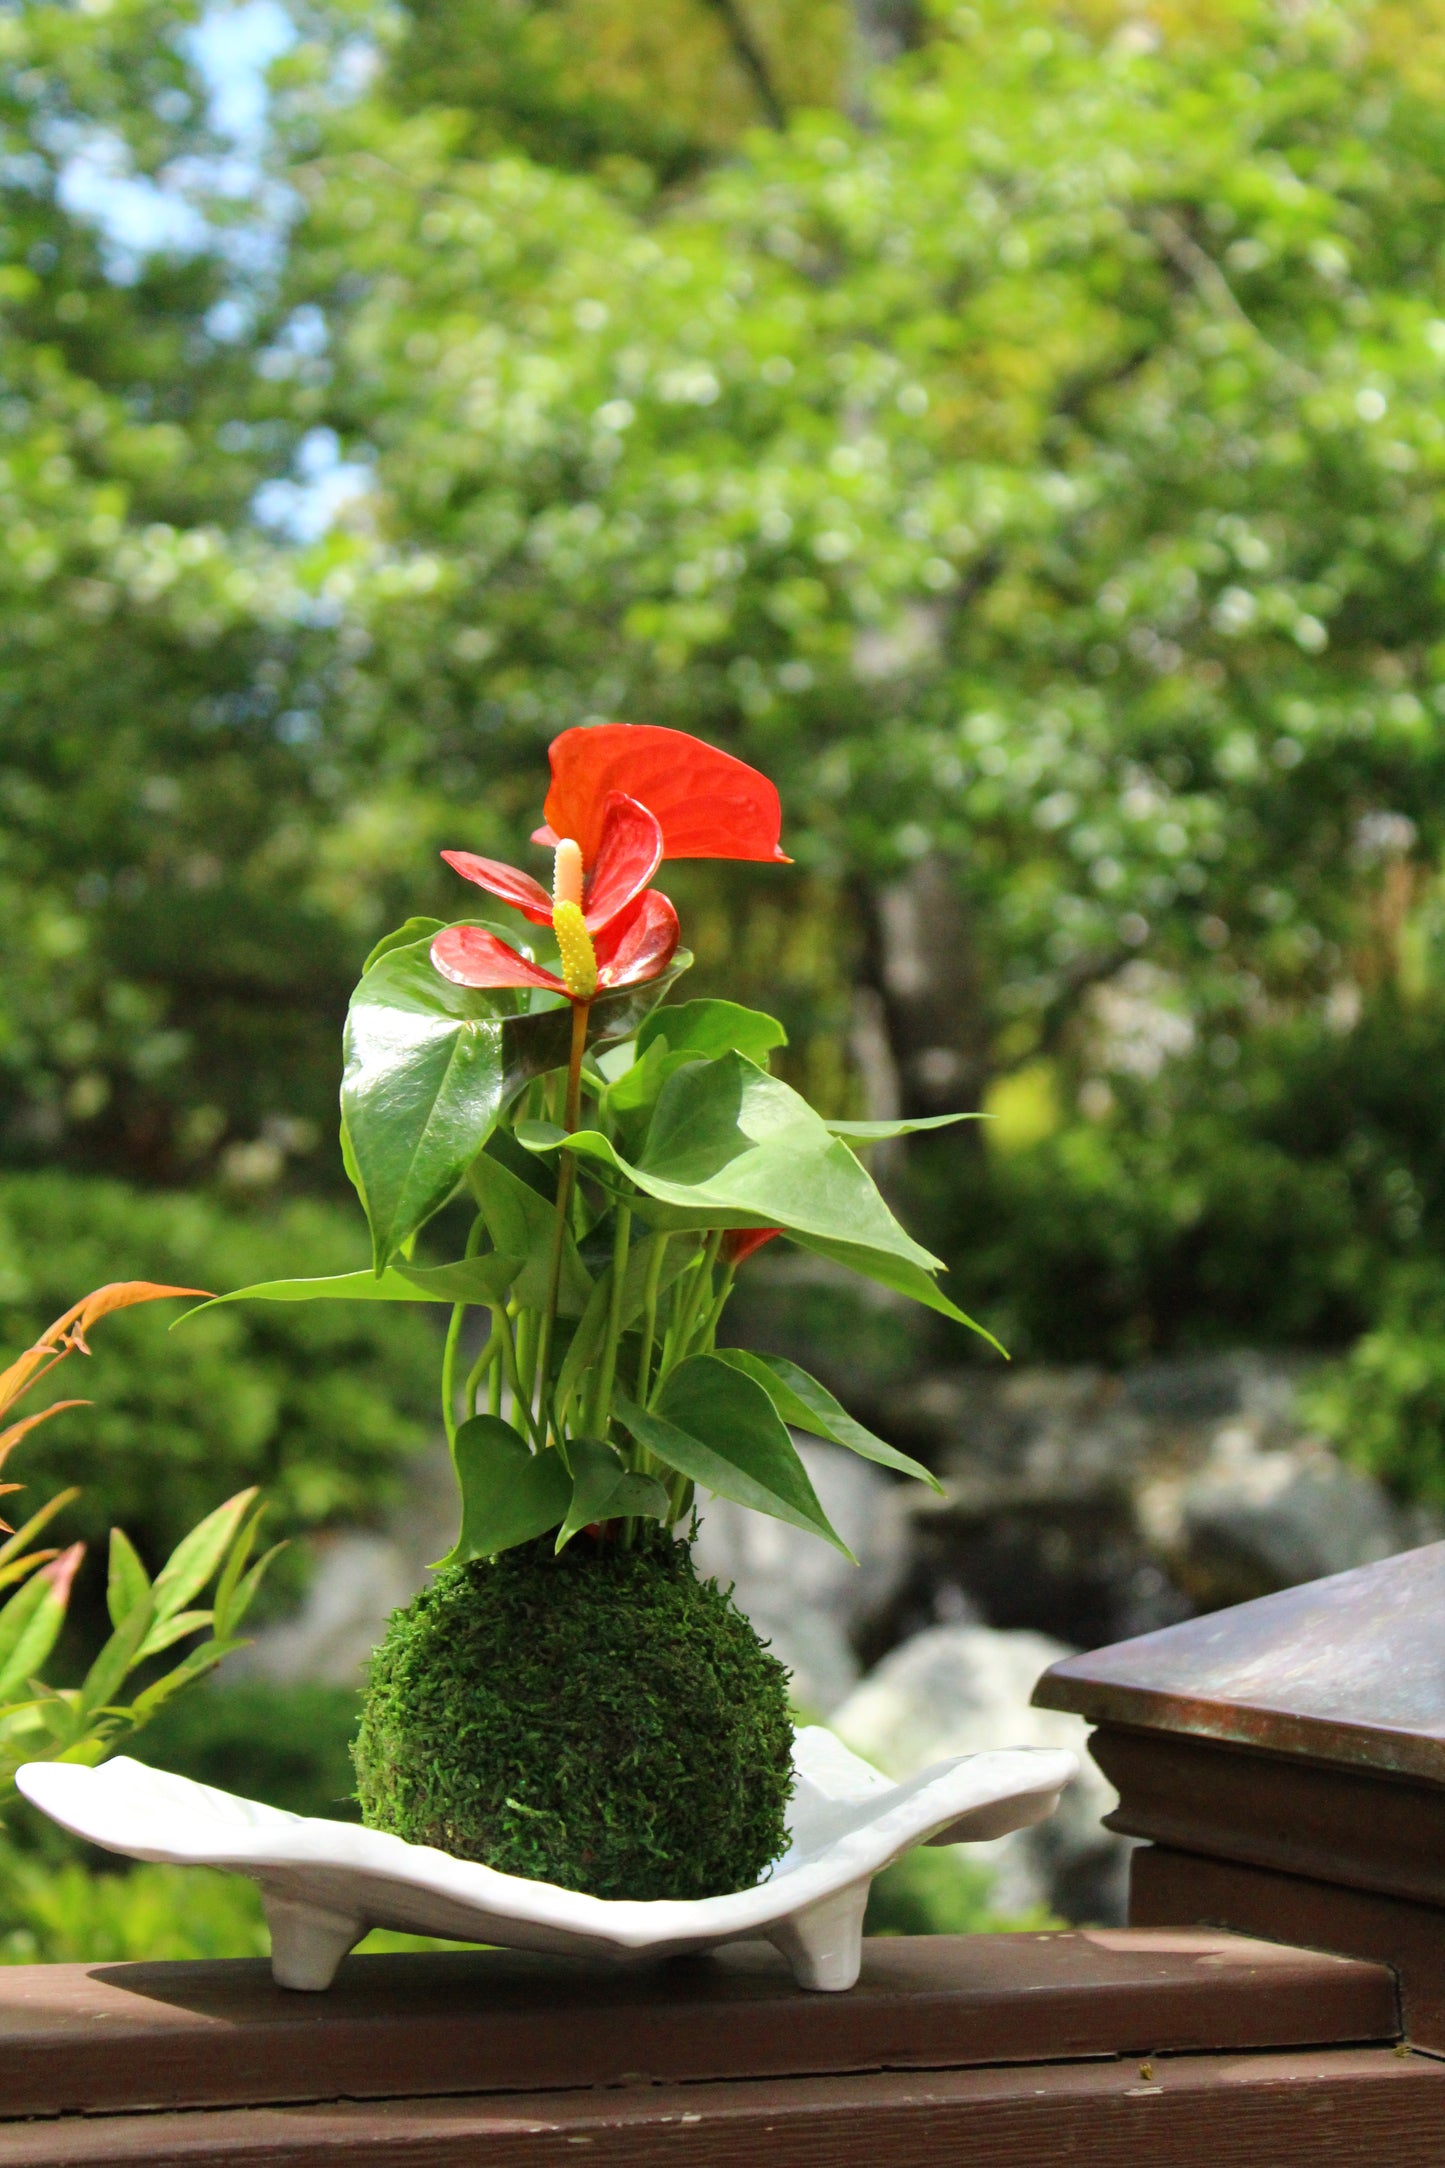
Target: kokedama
[(569, 1701)]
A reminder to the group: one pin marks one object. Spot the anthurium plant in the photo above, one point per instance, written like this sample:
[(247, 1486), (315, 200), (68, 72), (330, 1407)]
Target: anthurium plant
[(569, 1700), (40, 1722), (623, 1156)]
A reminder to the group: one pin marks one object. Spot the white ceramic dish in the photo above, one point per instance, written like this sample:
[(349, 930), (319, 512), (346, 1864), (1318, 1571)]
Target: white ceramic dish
[(325, 1884)]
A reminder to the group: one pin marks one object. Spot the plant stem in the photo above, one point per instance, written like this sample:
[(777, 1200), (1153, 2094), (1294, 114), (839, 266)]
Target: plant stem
[(523, 1340), (657, 1245), (454, 1341), (498, 1377), (522, 1415), (565, 1172), (488, 1361), (701, 1278), (714, 1315), (600, 1412)]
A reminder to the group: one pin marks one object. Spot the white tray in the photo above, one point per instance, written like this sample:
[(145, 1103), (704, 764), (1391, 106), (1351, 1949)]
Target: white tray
[(325, 1884)]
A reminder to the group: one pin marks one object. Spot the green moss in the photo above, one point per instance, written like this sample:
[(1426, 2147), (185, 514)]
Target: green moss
[(603, 1720)]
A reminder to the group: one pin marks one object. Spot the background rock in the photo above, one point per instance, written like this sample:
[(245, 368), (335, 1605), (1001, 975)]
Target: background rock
[(964, 1690), (1094, 1506)]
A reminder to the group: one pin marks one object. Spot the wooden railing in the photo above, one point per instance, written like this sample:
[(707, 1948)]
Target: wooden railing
[(1285, 1764)]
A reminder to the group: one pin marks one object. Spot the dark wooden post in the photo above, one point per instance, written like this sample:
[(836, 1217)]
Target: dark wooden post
[(1284, 1762)]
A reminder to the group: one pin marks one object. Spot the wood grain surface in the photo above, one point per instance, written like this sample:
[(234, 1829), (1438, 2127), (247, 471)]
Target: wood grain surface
[(93, 2038), (1322, 2109)]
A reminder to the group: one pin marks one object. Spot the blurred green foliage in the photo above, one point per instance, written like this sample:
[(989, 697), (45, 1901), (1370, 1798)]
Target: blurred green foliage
[(942, 1891), (321, 1405), (1040, 473), (72, 1912), (288, 1745), (1383, 1405)]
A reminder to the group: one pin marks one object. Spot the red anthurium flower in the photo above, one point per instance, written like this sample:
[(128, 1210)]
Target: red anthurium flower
[(707, 804), (628, 853), (739, 1243), (624, 796), (632, 947)]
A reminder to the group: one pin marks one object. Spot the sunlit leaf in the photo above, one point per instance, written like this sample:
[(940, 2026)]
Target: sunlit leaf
[(804, 1404), (198, 1555), (127, 1582), (429, 1068), (720, 1428), (471, 1279)]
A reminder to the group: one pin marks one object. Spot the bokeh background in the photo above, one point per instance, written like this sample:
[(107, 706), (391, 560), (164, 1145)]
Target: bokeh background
[(1017, 427)]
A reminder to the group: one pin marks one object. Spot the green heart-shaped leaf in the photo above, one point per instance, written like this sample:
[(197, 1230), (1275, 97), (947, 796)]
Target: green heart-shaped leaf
[(804, 1404), (430, 1067), (521, 1223), (720, 1428), (731, 1146), (904, 1126), (509, 1494), (470, 1279), (604, 1490)]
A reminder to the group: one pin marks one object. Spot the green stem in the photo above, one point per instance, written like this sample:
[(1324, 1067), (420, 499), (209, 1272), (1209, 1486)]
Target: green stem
[(497, 1378), (657, 1245), (522, 1416), (454, 1341), (523, 1335), (565, 1172), (486, 1365), (600, 1412), (714, 1315), (698, 1280)]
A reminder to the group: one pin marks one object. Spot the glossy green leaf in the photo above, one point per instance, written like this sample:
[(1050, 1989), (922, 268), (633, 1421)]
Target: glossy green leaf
[(899, 1273), (708, 1028), (407, 935), (604, 1489), (904, 1126), (731, 1146), (587, 1340), (720, 1428), (127, 1582), (509, 1495), (691, 1031), (806, 1405), (198, 1555), (430, 1067), (470, 1279), (521, 1222), (30, 1626)]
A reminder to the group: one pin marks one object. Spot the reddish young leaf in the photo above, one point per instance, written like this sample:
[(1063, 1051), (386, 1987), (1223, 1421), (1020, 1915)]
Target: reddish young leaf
[(68, 1332), (470, 956), (115, 1295), (62, 1570), (708, 804), (508, 882), (10, 1438)]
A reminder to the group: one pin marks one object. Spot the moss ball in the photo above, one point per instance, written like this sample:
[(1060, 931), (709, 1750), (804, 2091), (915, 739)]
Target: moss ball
[(603, 1720)]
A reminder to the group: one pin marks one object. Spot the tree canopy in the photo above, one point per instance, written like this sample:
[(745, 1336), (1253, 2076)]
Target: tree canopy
[(1033, 461)]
